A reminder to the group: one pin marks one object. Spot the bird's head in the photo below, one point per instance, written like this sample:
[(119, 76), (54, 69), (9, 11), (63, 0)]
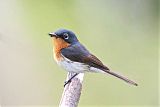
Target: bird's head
[(67, 35)]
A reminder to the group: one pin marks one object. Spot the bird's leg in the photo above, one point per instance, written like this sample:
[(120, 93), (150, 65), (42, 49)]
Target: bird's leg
[(69, 80)]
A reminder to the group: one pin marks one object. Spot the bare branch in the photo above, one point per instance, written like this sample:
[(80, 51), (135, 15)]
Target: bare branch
[(72, 91)]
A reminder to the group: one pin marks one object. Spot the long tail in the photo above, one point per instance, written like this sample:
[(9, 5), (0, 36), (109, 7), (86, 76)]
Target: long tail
[(121, 77)]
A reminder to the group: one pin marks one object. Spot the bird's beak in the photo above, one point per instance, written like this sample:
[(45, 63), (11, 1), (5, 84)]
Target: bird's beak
[(52, 34)]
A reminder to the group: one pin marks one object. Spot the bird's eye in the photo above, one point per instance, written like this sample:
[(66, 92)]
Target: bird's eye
[(65, 36)]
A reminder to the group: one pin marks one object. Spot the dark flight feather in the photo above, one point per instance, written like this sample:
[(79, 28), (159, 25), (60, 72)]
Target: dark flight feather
[(78, 53)]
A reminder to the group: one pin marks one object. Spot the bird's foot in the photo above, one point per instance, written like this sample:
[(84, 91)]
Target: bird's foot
[(66, 82)]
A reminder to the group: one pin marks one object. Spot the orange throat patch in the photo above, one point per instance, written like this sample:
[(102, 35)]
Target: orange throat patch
[(58, 44)]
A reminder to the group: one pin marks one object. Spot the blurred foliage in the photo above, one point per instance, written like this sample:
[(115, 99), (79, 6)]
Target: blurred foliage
[(122, 33)]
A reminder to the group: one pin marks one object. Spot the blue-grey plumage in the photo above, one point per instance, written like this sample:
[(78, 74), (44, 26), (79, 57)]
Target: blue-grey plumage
[(74, 57)]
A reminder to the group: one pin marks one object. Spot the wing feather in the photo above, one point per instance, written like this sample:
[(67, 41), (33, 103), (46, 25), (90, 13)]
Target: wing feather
[(79, 53)]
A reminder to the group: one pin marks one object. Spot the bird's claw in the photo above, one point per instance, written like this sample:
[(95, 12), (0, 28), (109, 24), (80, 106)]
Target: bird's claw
[(66, 82)]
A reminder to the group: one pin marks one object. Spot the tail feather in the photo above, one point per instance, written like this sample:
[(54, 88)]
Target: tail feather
[(121, 77)]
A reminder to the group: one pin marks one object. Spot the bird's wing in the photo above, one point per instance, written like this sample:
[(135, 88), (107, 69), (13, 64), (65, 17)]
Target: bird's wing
[(79, 53)]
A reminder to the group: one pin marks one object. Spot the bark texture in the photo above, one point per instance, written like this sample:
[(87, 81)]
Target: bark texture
[(72, 91)]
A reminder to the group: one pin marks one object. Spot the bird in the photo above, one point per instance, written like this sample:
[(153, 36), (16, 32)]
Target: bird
[(74, 57)]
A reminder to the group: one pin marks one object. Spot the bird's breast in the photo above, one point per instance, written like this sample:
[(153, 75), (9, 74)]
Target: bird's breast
[(58, 45), (72, 66)]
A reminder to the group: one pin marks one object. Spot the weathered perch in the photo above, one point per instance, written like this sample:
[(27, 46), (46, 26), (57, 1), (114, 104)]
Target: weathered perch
[(72, 91)]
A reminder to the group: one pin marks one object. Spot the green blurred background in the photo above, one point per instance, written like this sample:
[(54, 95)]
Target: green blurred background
[(122, 33)]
